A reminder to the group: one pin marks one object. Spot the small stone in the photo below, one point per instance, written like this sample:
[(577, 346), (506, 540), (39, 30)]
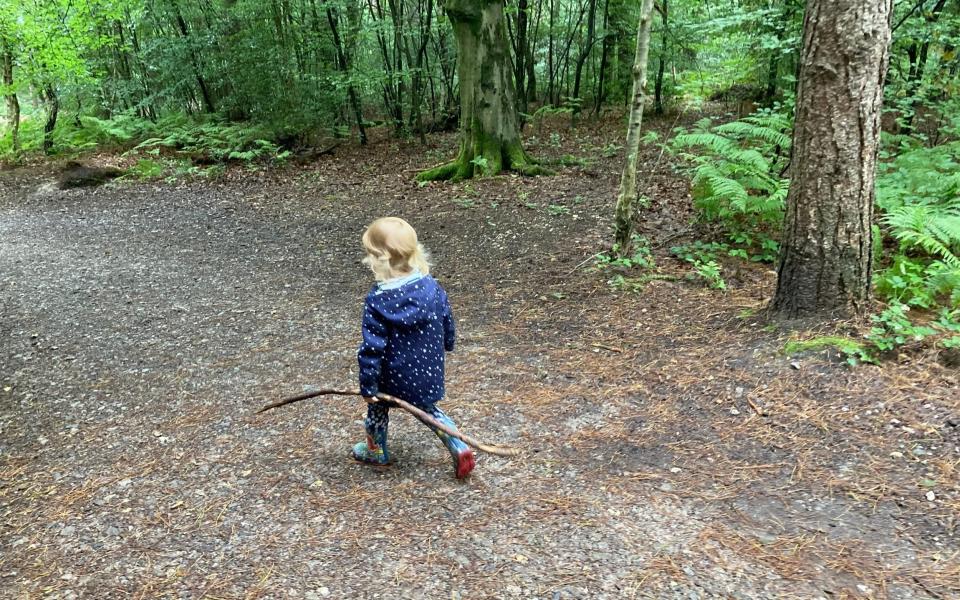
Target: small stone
[(68, 530), (738, 392), (113, 531), (896, 454), (766, 538), (795, 365), (931, 496), (675, 469), (734, 411), (324, 591), (514, 590)]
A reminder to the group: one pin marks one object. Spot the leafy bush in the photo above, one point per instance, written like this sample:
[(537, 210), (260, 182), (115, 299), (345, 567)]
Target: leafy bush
[(641, 258), (918, 195), (146, 168), (216, 140), (703, 257), (737, 175)]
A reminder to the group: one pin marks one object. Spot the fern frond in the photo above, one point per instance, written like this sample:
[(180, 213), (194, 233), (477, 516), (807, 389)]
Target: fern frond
[(748, 128)]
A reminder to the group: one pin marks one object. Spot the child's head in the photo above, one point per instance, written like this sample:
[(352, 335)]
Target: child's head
[(393, 250)]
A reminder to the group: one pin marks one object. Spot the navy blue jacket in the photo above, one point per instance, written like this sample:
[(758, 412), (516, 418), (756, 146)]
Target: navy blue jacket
[(405, 333)]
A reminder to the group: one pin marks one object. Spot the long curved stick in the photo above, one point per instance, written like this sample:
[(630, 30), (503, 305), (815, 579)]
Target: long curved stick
[(424, 417)]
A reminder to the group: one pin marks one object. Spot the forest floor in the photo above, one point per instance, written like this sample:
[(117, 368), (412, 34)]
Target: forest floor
[(671, 450)]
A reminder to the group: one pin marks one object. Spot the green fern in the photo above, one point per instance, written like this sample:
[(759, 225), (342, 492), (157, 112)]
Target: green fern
[(934, 229)]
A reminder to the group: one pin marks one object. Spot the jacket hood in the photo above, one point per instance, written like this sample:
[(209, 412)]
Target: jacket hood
[(410, 304)]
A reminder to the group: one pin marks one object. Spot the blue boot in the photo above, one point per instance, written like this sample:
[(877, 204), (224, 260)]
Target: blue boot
[(462, 455)]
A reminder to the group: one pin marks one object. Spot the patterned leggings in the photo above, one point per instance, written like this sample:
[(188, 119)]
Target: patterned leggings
[(378, 418)]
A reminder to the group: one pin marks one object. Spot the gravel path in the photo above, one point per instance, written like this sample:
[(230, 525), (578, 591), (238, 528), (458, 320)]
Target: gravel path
[(142, 325)]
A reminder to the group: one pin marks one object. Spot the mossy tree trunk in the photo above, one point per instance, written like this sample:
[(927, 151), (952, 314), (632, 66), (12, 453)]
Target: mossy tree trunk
[(627, 195), (10, 95), (490, 131), (826, 251)]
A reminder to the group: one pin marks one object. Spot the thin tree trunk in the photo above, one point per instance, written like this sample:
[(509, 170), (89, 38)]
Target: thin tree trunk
[(550, 72), (490, 132), (13, 104), (53, 110), (604, 54), (587, 47), (419, 81), (826, 252), (521, 54), (399, 50), (201, 82), (918, 53), (661, 66), (345, 69), (627, 196)]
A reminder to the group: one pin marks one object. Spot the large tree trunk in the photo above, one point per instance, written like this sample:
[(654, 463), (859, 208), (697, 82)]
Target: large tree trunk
[(825, 257), (13, 104), (627, 196), (490, 133)]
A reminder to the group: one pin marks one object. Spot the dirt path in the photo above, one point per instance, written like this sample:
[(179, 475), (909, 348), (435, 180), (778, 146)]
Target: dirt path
[(672, 451)]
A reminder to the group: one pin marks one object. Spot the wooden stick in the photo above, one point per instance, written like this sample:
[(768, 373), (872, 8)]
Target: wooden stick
[(423, 416)]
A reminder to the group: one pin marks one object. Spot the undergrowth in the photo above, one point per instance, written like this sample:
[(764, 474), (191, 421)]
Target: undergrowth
[(737, 183), (213, 140)]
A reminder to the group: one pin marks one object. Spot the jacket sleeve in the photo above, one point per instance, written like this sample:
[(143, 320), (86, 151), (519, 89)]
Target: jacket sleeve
[(449, 327), (370, 354)]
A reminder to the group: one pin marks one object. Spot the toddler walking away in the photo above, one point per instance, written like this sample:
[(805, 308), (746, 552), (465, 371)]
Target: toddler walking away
[(407, 327)]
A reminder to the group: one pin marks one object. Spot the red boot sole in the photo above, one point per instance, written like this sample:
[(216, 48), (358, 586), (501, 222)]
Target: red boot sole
[(465, 464)]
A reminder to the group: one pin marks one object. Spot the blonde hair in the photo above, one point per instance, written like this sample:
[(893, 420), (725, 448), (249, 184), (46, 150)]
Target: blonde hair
[(393, 250)]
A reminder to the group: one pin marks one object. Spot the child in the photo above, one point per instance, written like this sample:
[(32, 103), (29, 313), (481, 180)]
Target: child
[(407, 326)]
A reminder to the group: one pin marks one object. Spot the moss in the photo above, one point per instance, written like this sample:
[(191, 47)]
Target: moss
[(441, 173), (844, 345)]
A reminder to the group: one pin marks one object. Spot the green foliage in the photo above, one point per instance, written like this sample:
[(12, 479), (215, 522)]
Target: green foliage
[(893, 328), (216, 140), (736, 171), (641, 258), (557, 210), (703, 257), (918, 194), (854, 351), (709, 272), (146, 168)]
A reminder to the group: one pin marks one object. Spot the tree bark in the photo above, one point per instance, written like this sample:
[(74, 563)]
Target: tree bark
[(490, 133), (604, 54), (53, 110), (13, 104), (662, 63), (825, 256), (521, 54), (627, 196)]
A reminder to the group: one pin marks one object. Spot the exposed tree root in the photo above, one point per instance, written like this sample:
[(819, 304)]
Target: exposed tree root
[(486, 160)]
